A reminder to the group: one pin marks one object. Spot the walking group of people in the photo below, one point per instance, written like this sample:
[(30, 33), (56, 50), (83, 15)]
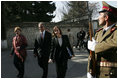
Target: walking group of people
[(56, 47), (47, 48)]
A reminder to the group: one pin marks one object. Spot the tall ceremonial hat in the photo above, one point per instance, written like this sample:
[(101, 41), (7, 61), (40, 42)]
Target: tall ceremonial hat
[(108, 8)]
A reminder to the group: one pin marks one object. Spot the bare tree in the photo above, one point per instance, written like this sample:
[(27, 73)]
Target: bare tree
[(93, 8), (78, 10)]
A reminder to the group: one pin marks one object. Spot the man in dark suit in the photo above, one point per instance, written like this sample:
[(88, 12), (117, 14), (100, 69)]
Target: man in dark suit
[(42, 48)]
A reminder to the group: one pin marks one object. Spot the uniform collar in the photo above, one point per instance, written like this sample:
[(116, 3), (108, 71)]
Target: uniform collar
[(108, 27)]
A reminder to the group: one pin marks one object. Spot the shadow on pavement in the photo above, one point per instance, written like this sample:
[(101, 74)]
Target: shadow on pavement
[(77, 67)]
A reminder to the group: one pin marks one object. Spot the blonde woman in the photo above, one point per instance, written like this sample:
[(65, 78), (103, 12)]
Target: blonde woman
[(19, 50), (60, 54)]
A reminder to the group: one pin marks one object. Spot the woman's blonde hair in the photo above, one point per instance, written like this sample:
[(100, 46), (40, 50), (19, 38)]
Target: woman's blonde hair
[(17, 28), (59, 30)]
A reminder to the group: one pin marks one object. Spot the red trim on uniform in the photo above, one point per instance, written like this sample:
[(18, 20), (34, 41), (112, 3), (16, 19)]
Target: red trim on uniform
[(110, 10), (107, 8), (112, 29), (99, 29)]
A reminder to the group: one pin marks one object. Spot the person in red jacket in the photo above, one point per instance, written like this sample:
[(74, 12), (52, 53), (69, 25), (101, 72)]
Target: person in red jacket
[(19, 50)]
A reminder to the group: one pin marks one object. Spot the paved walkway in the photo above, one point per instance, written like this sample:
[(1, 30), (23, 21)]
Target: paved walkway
[(77, 66)]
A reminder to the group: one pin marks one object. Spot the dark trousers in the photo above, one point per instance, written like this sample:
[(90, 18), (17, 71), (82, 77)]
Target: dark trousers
[(80, 43), (19, 65), (43, 63), (77, 43), (61, 68)]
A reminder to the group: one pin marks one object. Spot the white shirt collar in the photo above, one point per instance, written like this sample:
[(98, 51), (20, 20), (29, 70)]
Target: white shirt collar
[(43, 33), (109, 27)]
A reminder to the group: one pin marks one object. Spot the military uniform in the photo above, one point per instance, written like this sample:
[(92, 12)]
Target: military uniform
[(105, 48), (106, 53)]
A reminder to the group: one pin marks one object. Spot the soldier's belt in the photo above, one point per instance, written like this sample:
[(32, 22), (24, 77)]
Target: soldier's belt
[(107, 64)]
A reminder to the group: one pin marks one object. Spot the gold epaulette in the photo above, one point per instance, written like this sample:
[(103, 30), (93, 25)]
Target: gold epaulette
[(99, 29), (114, 28), (116, 24)]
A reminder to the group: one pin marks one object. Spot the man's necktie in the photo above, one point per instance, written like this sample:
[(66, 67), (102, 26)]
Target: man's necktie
[(42, 35), (104, 32)]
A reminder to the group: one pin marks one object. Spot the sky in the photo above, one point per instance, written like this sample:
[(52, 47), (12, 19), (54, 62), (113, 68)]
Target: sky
[(61, 4)]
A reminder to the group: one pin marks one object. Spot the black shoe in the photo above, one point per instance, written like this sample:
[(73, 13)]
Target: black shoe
[(19, 76), (44, 76)]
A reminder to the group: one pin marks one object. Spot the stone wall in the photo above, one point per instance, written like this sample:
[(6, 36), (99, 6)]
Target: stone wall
[(29, 30)]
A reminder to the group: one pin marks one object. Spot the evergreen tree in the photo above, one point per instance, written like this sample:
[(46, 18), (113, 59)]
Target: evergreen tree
[(25, 11), (19, 11)]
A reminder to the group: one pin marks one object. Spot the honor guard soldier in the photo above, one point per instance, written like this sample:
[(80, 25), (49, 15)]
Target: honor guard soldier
[(105, 43)]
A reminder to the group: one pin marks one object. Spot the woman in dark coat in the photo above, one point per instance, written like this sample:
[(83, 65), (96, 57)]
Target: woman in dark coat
[(19, 51), (60, 55)]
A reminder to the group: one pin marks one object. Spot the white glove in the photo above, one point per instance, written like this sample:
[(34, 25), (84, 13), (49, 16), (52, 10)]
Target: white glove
[(89, 75), (50, 61), (91, 44)]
